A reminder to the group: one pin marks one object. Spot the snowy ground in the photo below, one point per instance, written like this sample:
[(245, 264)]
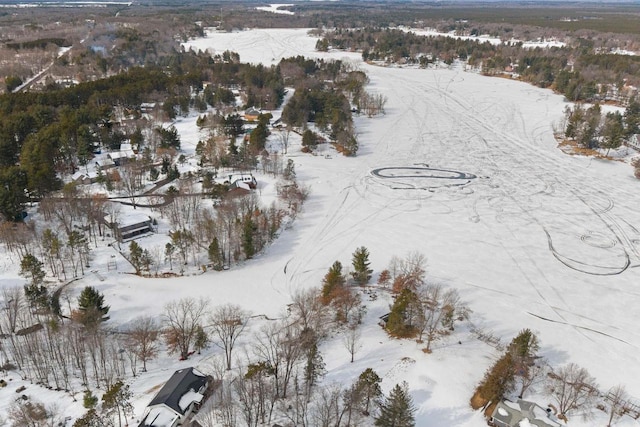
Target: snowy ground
[(465, 170)]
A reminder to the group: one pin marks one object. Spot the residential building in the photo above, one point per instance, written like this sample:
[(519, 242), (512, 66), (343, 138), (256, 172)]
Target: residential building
[(177, 400)]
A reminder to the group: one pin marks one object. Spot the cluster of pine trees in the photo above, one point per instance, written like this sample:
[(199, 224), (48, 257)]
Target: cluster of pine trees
[(592, 129)]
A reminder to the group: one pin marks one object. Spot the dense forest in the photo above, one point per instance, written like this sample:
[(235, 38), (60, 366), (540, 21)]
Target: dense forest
[(52, 133), (576, 70)]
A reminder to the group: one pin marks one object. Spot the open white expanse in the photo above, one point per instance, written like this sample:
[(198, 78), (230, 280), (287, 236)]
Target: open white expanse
[(536, 234), (538, 239), (465, 170)]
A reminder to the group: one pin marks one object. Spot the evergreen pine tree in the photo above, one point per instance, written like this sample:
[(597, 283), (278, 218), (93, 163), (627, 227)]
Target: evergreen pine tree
[(136, 256), (498, 381), (332, 281), (32, 268), (632, 118), (215, 254), (201, 340), (397, 409), (248, 230), (117, 400), (368, 387), (90, 419), (89, 400), (314, 368), (403, 312), (524, 347), (361, 272), (37, 295), (91, 307), (309, 138), (258, 136)]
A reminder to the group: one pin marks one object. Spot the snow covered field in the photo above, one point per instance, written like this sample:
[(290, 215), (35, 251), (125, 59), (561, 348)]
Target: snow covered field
[(537, 239), (465, 170)]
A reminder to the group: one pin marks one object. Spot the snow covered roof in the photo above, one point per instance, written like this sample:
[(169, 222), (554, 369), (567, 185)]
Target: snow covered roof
[(81, 175), (188, 398), (127, 219), (159, 416), (104, 161), (181, 390), (521, 414), (252, 114)]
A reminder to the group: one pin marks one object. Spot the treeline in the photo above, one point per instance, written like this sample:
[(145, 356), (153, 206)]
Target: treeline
[(394, 45), (577, 70), (590, 128), (324, 95), (38, 44), (44, 135)]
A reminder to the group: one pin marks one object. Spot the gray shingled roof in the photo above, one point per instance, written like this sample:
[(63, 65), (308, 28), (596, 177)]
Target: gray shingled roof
[(180, 383), (512, 413)]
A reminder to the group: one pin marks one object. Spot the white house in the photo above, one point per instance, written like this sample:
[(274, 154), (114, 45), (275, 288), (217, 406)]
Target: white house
[(176, 400), (121, 156), (634, 141)]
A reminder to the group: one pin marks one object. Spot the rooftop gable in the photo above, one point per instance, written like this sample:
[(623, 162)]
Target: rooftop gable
[(521, 413), (181, 383)]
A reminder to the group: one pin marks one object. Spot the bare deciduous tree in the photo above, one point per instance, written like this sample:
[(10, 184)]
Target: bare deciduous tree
[(284, 138), (33, 414), (408, 272), (227, 323), (143, 338), (220, 410), (132, 175), (12, 303), (440, 308), (256, 394), (182, 319), (533, 374), (279, 344), (307, 309), (327, 408), (617, 398), (572, 388), (352, 340)]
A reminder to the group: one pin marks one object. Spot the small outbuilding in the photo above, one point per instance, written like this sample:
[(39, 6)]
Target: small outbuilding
[(181, 395)]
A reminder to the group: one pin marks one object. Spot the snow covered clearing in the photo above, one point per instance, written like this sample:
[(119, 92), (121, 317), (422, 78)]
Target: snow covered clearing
[(276, 8), (465, 170)]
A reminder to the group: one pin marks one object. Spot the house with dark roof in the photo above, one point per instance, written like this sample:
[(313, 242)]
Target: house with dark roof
[(130, 226), (252, 114), (522, 413), (177, 399)]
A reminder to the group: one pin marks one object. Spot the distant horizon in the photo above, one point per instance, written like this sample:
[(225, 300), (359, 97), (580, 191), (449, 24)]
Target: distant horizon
[(570, 3)]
